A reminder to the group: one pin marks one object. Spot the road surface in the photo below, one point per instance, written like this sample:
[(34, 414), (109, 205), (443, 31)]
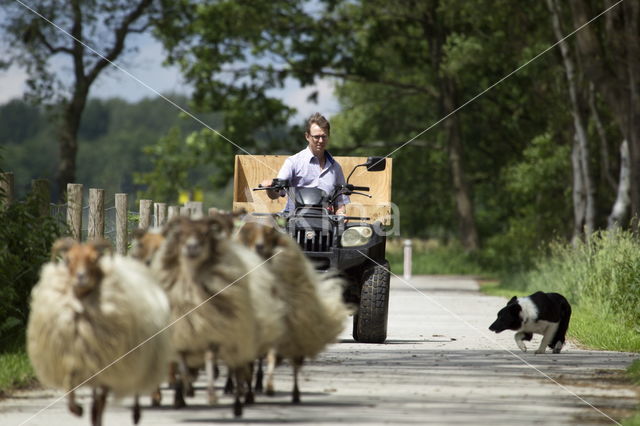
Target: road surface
[(439, 366)]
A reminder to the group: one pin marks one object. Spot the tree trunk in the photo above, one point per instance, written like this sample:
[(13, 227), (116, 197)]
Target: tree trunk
[(613, 67), (581, 147), (68, 139), (621, 205), (579, 200), (464, 206)]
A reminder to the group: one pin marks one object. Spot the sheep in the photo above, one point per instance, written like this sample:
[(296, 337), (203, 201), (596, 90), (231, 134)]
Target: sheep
[(97, 319), (315, 312), (223, 308)]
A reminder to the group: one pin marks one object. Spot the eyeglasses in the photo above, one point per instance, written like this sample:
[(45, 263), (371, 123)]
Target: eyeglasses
[(318, 137)]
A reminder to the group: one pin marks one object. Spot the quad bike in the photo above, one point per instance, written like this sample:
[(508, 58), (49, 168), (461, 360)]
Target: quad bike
[(347, 244)]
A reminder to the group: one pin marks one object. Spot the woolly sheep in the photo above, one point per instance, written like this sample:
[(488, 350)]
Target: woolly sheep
[(222, 308), (315, 312), (96, 320)]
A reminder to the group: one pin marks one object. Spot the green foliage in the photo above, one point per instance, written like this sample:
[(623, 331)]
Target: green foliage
[(25, 243), (537, 187), (601, 275), (15, 370), (432, 258)]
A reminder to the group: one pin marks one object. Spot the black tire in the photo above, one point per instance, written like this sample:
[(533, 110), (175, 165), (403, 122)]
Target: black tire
[(370, 322)]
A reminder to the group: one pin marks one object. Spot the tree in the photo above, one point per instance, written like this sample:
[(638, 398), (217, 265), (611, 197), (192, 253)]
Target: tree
[(610, 54), (75, 31)]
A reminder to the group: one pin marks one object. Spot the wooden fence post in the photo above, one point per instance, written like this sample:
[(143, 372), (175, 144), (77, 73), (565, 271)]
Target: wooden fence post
[(160, 214), (185, 211), (174, 211), (74, 209), (196, 209), (6, 183), (42, 192), (145, 214), (95, 227), (121, 224)]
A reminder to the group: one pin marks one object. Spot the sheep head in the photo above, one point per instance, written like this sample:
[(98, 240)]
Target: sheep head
[(82, 262), (190, 241), (261, 238), (145, 245)]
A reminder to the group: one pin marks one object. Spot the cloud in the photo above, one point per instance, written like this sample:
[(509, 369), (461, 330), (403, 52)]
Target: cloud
[(12, 84), (297, 97)]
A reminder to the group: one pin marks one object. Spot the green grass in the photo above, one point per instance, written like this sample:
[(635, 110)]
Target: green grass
[(432, 258), (15, 369), (601, 280)]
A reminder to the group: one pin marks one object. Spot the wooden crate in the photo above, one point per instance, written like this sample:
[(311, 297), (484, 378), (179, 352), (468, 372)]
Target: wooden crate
[(250, 170)]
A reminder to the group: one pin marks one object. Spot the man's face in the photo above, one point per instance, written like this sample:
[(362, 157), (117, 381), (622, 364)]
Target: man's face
[(317, 139)]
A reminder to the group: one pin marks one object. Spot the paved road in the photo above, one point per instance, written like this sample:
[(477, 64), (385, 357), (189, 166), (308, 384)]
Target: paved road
[(439, 366)]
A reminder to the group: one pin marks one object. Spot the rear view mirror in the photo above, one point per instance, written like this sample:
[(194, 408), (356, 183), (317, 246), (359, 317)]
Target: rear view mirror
[(376, 164)]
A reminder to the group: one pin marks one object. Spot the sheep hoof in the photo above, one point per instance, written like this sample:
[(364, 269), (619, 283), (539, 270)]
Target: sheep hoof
[(156, 399), (190, 391), (237, 409), (136, 415), (228, 387), (76, 409), (270, 391), (248, 398)]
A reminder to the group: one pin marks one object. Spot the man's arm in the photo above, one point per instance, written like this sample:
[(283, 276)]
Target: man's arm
[(284, 173)]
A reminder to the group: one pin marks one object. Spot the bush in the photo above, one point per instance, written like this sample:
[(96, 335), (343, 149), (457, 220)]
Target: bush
[(25, 244), (602, 275)]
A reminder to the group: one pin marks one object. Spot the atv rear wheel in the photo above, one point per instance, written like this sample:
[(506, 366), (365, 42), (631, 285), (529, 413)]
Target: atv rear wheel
[(370, 322)]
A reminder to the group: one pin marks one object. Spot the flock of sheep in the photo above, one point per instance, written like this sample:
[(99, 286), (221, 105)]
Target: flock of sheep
[(193, 294)]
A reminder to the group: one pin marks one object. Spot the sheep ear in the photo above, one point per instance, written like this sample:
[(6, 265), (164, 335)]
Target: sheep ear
[(60, 247), (102, 246), (138, 233)]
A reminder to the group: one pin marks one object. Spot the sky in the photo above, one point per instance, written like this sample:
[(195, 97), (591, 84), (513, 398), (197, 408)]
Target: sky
[(146, 66)]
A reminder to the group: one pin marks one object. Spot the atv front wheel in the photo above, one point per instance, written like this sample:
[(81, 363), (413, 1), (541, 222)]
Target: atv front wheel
[(370, 322)]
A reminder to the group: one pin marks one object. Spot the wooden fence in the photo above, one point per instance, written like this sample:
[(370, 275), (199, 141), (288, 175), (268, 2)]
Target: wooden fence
[(150, 213)]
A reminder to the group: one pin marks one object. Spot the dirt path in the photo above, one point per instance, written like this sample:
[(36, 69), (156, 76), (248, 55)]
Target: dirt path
[(440, 366)]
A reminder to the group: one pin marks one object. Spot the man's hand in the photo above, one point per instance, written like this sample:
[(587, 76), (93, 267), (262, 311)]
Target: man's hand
[(271, 193)]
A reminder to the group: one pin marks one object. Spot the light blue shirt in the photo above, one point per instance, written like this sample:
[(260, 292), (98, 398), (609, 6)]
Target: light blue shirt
[(303, 170)]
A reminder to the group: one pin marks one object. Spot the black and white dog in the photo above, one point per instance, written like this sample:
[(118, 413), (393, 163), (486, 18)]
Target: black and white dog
[(541, 313)]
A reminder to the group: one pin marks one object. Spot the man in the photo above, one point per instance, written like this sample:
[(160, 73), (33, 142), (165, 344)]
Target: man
[(313, 167)]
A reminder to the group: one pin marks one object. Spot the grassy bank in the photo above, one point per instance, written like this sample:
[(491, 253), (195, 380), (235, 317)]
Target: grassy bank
[(15, 368), (429, 257)]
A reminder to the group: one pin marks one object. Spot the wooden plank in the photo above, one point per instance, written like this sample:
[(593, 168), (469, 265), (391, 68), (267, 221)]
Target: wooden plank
[(7, 185), (42, 192), (95, 227), (74, 209), (251, 170), (122, 222)]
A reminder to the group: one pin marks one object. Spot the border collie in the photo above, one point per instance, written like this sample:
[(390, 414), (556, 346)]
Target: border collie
[(541, 313)]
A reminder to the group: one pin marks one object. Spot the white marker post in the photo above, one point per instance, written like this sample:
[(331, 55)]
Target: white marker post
[(407, 259)]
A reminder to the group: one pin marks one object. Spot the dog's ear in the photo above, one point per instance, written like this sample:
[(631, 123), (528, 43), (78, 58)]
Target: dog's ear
[(514, 299)]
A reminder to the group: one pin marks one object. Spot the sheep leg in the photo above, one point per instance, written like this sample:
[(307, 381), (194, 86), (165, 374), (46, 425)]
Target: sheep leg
[(184, 373), (176, 385), (249, 397), (297, 364), (73, 405), (156, 398), (271, 366), (240, 377), (259, 376), (228, 386), (136, 409), (99, 404), (210, 360)]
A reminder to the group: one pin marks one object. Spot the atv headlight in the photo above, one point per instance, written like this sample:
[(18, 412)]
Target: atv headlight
[(356, 236)]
